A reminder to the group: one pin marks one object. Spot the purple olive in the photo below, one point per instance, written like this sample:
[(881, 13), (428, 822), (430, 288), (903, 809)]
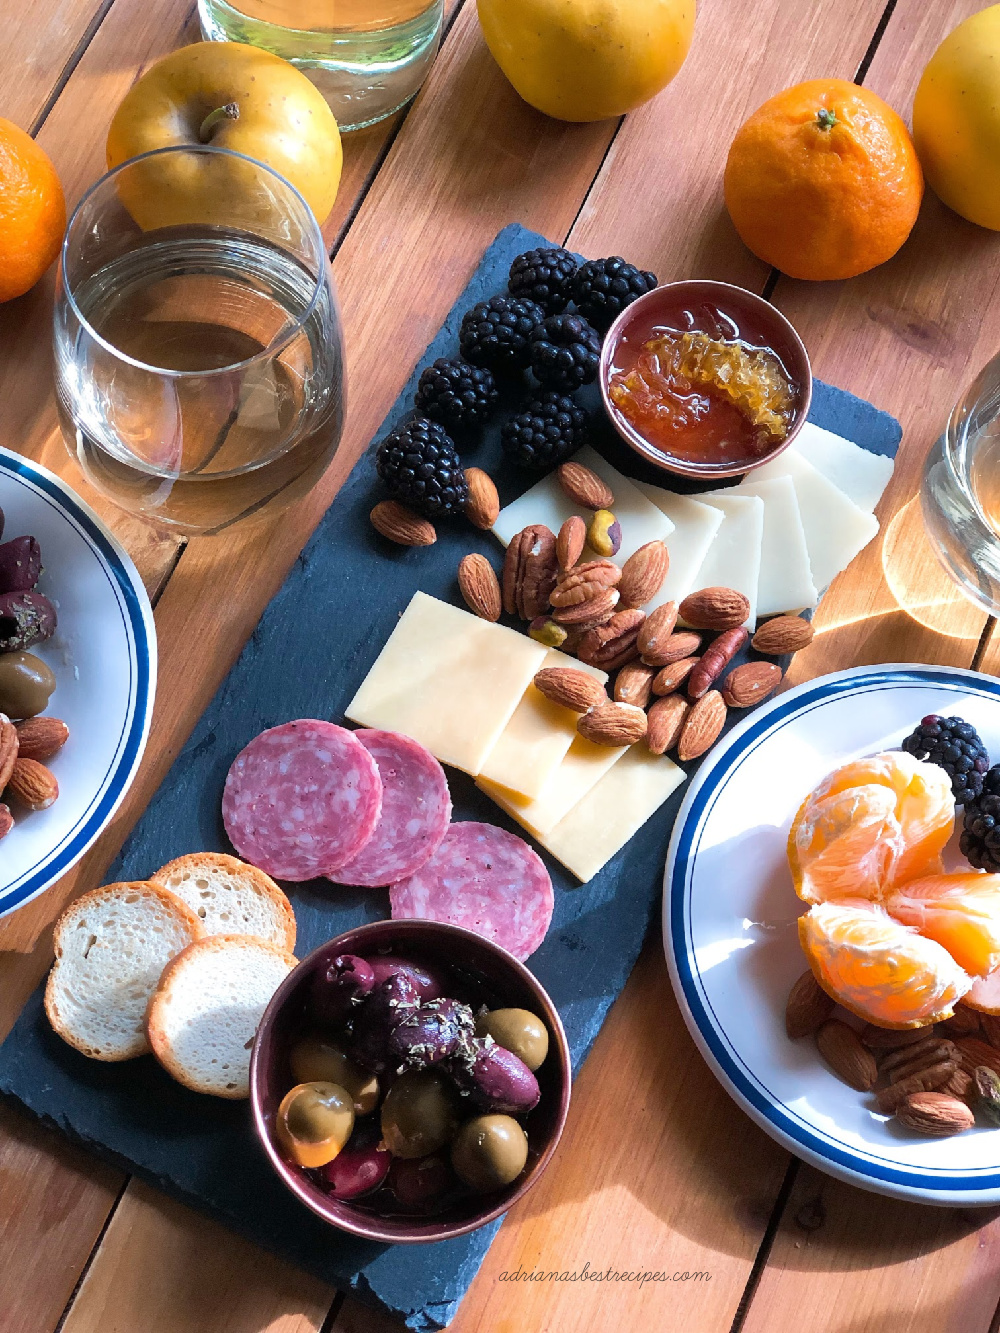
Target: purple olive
[(357, 1171), (418, 1182), (339, 987), (430, 985), (20, 564), (26, 618), (389, 1004), (495, 1078), (435, 1031)]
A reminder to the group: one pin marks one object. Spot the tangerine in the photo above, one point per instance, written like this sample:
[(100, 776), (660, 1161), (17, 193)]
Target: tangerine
[(823, 181), (961, 912), (32, 211)]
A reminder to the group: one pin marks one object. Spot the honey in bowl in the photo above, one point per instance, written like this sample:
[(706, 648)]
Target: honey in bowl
[(702, 384)]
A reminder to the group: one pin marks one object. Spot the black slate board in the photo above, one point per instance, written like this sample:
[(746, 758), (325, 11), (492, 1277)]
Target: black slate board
[(306, 658)]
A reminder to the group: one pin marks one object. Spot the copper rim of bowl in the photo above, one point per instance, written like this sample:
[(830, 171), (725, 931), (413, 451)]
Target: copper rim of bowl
[(697, 288), (402, 937)]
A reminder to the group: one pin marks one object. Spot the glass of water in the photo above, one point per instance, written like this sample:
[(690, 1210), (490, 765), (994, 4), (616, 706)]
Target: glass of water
[(367, 57), (199, 360)]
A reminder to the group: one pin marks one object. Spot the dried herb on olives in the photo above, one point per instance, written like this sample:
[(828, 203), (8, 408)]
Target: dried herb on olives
[(339, 988), (495, 1078), (388, 1004), (429, 983), (432, 1033), (26, 618), (20, 564)]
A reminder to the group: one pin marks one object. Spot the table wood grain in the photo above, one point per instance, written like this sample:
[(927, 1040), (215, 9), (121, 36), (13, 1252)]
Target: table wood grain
[(658, 1168)]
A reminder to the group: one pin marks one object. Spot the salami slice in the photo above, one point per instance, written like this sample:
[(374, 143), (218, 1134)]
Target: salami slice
[(485, 879), (302, 799), (416, 812)]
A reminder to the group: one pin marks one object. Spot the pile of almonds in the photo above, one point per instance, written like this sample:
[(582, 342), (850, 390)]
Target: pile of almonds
[(25, 782), (669, 688), (933, 1079)]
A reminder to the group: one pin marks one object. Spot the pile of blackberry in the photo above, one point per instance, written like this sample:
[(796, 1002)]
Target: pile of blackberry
[(954, 745), (980, 841)]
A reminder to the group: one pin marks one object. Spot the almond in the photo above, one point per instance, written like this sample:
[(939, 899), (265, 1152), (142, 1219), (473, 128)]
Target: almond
[(808, 1006), (714, 608), (571, 541), (841, 1048), (702, 726), (483, 505), (32, 785), (935, 1114), (613, 724), (9, 749), (783, 634), (973, 1052), (664, 723), (480, 586), (673, 648), (6, 821), (991, 1029), (748, 684), (959, 1084), (634, 684), (584, 487), (672, 677), (643, 574), (41, 737), (571, 688), (401, 525), (659, 626)]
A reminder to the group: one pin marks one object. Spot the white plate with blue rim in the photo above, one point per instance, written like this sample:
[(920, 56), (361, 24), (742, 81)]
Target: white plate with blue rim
[(730, 933), (103, 655)]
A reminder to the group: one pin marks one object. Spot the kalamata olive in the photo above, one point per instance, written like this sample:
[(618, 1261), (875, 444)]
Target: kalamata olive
[(432, 1033), (429, 983), (25, 618), (339, 987), (357, 1171), (20, 564), (389, 1003), (26, 684), (495, 1078), (489, 1152), (420, 1113), (421, 1182), (516, 1030), (314, 1121), (319, 1060)]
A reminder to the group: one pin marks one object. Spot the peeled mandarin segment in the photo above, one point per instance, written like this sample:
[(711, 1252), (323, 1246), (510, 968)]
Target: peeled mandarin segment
[(961, 912), (842, 845), (985, 994), (879, 969)]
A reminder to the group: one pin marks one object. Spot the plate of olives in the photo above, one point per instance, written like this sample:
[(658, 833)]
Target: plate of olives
[(409, 1081), (77, 648)]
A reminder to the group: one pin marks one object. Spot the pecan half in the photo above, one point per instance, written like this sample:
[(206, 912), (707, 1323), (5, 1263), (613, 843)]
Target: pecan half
[(585, 615), (529, 572), (610, 646), (585, 582)]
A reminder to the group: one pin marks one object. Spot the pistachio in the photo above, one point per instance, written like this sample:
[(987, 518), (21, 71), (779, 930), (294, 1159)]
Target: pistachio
[(543, 629), (988, 1087), (605, 534)]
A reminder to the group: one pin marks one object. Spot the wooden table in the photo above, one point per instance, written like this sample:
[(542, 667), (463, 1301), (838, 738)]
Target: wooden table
[(658, 1169)]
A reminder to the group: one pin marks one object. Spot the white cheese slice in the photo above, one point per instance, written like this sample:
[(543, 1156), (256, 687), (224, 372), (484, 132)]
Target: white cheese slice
[(613, 811), (641, 521), (584, 765), (534, 742), (836, 529), (733, 559), (785, 582), (449, 680), (860, 474), (695, 526)]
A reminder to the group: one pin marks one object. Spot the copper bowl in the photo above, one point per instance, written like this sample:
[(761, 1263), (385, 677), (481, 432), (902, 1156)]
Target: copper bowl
[(492, 976), (739, 303)]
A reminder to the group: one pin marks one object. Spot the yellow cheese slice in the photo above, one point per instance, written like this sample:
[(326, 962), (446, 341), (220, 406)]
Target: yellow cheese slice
[(449, 680), (613, 811), (584, 765), (534, 742)]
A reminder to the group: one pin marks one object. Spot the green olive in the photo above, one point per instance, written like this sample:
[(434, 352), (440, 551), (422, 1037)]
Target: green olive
[(518, 1031), (489, 1152), (314, 1122), (420, 1113), (316, 1060), (26, 685)]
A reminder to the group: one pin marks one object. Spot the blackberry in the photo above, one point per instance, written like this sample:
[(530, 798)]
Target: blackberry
[(955, 746), (980, 841), (565, 352), (543, 276), (420, 466), (550, 428), (457, 395), (496, 332), (602, 288)]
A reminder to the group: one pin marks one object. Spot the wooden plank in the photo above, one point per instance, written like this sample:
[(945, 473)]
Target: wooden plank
[(41, 43)]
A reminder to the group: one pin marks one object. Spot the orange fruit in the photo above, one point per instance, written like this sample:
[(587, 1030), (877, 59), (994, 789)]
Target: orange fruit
[(985, 994), (872, 824), (823, 181), (32, 211), (879, 969), (960, 912)]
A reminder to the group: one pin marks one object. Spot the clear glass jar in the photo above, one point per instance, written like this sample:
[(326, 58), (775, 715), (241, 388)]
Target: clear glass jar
[(367, 57)]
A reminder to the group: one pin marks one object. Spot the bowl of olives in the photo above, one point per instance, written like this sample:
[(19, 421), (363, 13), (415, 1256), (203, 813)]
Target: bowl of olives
[(410, 1080)]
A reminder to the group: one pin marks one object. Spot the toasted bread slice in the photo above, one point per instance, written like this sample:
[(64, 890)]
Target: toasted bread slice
[(205, 1012), (231, 897), (111, 948)]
